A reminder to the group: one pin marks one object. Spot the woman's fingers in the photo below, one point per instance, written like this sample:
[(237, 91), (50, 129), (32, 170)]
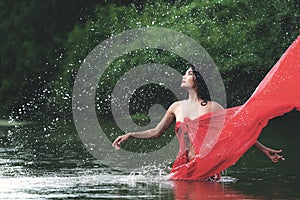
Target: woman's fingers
[(117, 147), (281, 158), (114, 143), (117, 141), (277, 157)]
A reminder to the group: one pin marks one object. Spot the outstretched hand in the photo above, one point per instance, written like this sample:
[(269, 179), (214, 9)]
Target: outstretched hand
[(120, 140), (273, 155)]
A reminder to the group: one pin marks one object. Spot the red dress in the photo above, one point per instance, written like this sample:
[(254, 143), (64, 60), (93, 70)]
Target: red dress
[(221, 138)]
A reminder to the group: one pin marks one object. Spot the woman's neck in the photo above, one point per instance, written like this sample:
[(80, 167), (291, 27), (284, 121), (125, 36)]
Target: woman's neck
[(193, 97)]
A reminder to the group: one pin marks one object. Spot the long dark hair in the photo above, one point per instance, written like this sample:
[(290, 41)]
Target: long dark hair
[(201, 87)]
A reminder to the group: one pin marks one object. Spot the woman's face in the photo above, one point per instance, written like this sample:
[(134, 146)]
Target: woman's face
[(188, 80)]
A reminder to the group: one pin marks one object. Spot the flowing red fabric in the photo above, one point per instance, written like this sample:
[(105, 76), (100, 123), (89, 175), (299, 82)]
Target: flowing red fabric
[(222, 137)]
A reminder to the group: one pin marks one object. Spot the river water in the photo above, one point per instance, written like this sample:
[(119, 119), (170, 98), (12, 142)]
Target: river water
[(31, 172)]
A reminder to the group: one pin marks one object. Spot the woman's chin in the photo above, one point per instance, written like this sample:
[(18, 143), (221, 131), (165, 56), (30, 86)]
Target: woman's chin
[(185, 87)]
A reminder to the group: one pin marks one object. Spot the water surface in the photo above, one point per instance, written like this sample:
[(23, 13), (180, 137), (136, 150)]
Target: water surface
[(36, 170)]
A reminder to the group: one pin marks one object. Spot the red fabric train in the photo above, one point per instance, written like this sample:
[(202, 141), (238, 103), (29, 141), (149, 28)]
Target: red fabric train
[(222, 137)]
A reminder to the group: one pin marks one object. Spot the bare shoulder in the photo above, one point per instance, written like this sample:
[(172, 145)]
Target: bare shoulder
[(174, 106), (215, 106)]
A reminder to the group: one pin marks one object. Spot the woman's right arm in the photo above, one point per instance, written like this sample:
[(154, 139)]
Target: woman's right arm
[(151, 133)]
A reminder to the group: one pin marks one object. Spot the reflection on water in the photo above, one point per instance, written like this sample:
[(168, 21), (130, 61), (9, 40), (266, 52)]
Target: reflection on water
[(72, 173), (184, 190)]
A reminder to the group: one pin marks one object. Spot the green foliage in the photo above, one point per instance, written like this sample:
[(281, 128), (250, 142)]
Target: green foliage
[(32, 41), (240, 35), (45, 42), (140, 118)]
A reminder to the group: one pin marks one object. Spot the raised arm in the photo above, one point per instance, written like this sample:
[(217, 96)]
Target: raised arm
[(151, 133), (270, 153)]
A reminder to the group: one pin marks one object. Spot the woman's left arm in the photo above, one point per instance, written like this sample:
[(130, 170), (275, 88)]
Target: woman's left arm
[(270, 153)]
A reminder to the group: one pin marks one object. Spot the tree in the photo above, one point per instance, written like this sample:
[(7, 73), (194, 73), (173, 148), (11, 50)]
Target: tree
[(240, 35), (32, 44)]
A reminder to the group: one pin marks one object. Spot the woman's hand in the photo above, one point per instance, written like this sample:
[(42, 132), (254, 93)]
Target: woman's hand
[(273, 155), (120, 140)]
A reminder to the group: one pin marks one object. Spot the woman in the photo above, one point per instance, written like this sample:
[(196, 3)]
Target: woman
[(277, 94), (196, 105)]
